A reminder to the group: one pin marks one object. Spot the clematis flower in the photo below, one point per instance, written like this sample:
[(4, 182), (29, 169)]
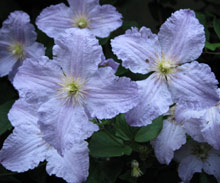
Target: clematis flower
[(208, 122), (17, 42), (25, 148), (180, 40), (82, 14), (72, 89), (173, 136), (195, 157)]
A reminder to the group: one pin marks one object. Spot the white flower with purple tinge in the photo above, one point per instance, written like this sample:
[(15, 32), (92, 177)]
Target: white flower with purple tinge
[(83, 14), (71, 89), (208, 122), (17, 42), (195, 157), (173, 136), (25, 148), (180, 40)]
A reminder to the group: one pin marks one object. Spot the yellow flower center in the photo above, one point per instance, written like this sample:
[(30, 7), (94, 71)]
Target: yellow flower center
[(81, 22), (17, 49), (72, 90)]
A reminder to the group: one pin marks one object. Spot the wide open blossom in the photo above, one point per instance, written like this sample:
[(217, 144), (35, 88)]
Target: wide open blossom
[(180, 40), (72, 89), (208, 122), (17, 42), (83, 14), (195, 157), (25, 148), (173, 136)]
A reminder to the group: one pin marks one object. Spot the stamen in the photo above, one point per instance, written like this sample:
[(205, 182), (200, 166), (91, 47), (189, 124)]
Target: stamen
[(17, 50), (81, 21)]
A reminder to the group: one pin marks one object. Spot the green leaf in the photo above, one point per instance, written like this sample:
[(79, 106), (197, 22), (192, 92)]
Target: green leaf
[(216, 25), (212, 46), (104, 144), (104, 171), (151, 131), (123, 130), (4, 122)]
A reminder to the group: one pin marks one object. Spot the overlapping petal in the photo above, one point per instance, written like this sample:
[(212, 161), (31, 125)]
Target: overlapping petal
[(189, 166), (43, 76), (104, 19), (171, 138), (7, 63), (83, 6), (211, 126), (155, 100), (182, 36), (64, 125), (55, 19), (109, 95), (73, 166), (194, 86), (137, 49), (24, 149), (78, 53)]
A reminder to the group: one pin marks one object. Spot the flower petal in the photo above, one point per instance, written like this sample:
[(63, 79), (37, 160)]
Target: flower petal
[(171, 138), (137, 49), (212, 165), (18, 28), (54, 19), (73, 166), (182, 36), (103, 20), (23, 113), (78, 53), (194, 86), (211, 127), (83, 6), (24, 149), (109, 95), (43, 76), (63, 125), (188, 166), (109, 62), (155, 101), (7, 63)]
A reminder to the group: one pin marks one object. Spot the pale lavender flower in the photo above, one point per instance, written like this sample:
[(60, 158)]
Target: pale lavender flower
[(72, 89), (83, 14), (25, 148), (207, 120), (17, 42), (195, 157), (173, 136), (109, 63), (180, 40)]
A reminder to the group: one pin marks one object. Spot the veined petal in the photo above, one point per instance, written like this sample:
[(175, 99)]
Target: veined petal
[(7, 63), (73, 166), (155, 101), (83, 6), (212, 165), (188, 166), (55, 19), (43, 76), (63, 125), (193, 128), (18, 28), (35, 50), (78, 53), (137, 49), (103, 20), (23, 113), (194, 86), (109, 95), (211, 126), (182, 36), (171, 138), (24, 149), (109, 63)]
